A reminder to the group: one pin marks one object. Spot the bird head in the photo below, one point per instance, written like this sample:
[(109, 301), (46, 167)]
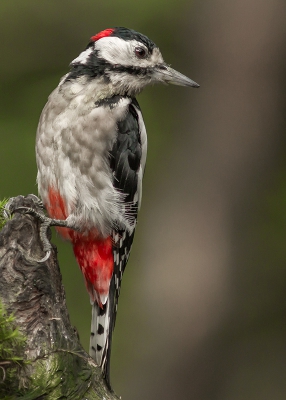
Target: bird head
[(127, 61)]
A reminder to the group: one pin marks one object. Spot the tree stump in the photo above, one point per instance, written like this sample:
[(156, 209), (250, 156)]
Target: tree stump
[(55, 364)]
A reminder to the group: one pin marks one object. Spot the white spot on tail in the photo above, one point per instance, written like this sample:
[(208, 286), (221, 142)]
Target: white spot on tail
[(99, 334)]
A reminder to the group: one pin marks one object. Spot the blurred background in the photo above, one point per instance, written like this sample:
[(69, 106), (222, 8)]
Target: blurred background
[(203, 303)]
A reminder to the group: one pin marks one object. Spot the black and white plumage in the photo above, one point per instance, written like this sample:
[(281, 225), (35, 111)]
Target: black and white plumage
[(91, 152)]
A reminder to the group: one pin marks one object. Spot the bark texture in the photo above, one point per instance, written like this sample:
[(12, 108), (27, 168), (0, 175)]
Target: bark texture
[(57, 367)]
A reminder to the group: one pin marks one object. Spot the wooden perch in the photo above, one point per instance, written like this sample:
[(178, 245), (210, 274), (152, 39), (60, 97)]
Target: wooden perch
[(57, 366)]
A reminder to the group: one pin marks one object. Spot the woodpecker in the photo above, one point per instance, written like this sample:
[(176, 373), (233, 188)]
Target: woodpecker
[(91, 148)]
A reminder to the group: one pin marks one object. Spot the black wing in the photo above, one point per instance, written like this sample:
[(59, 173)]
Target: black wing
[(126, 153), (125, 158)]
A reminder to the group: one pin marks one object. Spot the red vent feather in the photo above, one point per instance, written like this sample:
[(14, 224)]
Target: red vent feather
[(105, 33)]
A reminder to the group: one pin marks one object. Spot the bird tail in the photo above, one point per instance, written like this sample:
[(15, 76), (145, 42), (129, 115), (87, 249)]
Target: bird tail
[(102, 325), (95, 258)]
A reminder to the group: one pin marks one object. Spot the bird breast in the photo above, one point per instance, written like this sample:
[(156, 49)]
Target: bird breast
[(74, 138)]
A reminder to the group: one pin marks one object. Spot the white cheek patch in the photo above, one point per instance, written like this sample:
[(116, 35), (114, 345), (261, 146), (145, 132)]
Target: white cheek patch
[(118, 51)]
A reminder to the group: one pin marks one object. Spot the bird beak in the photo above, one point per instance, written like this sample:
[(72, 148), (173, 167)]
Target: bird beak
[(164, 73)]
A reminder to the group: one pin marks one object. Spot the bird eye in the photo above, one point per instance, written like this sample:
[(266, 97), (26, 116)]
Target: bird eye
[(140, 52)]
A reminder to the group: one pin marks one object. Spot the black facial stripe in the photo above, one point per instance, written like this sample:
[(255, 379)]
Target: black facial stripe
[(96, 67), (132, 70)]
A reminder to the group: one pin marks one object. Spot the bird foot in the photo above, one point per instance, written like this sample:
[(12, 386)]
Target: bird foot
[(37, 210)]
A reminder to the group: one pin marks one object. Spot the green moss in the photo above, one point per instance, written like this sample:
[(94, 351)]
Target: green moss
[(2, 218), (11, 349), (62, 375)]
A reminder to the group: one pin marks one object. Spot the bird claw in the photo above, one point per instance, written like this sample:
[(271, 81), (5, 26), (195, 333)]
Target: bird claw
[(46, 257), (15, 204), (32, 211), (12, 208)]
